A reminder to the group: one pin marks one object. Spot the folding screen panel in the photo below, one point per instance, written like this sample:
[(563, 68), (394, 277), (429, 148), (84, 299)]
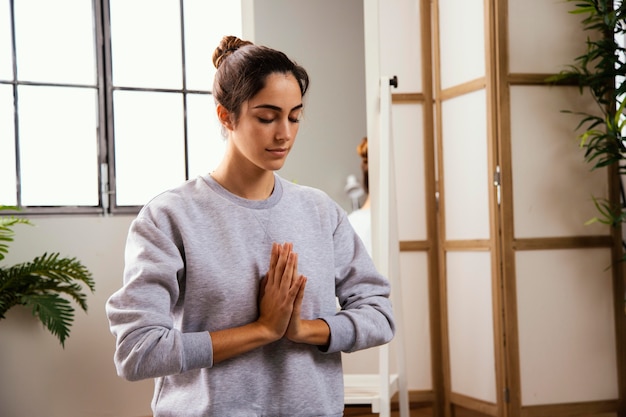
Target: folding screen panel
[(565, 309), (524, 312), (529, 303), (562, 272), (566, 327), (469, 269)]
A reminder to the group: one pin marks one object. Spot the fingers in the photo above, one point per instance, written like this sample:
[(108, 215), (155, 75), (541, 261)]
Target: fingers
[(297, 304), (283, 262), (294, 273), (289, 275), (294, 329), (274, 255), (281, 291), (278, 260)]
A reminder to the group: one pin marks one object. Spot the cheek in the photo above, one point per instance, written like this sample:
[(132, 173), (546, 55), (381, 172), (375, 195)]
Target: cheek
[(252, 133), (255, 139), (294, 130)]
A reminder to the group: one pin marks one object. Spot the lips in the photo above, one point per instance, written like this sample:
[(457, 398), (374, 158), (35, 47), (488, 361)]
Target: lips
[(278, 151)]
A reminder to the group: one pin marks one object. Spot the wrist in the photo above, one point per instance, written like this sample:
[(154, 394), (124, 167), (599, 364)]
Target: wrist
[(313, 332), (265, 333)]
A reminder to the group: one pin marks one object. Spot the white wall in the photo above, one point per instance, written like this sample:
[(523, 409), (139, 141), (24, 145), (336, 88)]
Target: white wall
[(38, 377), (326, 37)]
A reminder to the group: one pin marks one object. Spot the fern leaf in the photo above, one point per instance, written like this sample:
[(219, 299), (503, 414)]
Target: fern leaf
[(55, 312), (44, 275), (52, 267), (42, 283), (6, 230)]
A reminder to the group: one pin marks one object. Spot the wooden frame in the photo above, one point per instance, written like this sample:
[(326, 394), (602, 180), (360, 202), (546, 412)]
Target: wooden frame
[(503, 244)]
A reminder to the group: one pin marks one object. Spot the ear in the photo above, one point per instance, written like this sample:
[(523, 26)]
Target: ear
[(223, 116)]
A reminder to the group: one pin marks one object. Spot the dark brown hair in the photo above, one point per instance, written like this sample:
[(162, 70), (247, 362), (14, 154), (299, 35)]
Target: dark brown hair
[(242, 69)]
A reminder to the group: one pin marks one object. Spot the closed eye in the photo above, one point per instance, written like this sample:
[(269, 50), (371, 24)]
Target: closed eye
[(268, 121), (295, 111)]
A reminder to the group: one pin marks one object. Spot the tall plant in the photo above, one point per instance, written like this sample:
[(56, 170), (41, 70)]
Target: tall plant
[(601, 71), (43, 284)]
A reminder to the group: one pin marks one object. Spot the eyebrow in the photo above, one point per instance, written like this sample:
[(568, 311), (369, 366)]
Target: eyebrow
[(276, 108)]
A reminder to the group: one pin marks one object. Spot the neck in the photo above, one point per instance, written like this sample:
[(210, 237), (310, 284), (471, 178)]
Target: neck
[(257, 187)]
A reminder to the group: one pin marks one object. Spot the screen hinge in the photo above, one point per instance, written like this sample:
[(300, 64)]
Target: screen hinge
[(497, 182)]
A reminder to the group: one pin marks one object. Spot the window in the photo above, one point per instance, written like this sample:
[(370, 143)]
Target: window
[(105, 104)]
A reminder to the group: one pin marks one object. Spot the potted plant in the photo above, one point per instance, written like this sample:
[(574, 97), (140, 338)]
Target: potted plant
[(601, 72), (46, 285)]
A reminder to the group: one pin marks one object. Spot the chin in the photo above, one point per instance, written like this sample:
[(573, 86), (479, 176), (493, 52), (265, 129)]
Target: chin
[(275, 166)]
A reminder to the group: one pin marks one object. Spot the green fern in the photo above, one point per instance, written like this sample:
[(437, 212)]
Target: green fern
[(6, 231), (46, 285)]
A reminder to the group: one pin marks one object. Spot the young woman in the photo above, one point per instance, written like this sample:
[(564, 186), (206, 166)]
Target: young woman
[(231, 279)]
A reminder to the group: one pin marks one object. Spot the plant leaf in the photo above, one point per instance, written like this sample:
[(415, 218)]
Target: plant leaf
[(55, 312), (49, 273)]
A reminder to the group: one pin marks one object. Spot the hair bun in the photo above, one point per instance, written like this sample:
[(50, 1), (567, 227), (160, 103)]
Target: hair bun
[(228, 45)]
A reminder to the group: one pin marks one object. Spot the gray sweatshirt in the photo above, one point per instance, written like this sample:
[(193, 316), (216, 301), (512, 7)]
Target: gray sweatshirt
[(195, 256)]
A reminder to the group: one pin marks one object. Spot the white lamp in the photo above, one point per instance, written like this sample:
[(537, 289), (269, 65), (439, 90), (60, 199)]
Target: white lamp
[(354, 190)]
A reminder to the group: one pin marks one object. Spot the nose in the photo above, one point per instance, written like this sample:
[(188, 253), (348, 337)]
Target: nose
[(286, 130)]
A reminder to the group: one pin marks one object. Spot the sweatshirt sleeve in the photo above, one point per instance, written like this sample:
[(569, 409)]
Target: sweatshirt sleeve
[(140, 314), (366, 317)]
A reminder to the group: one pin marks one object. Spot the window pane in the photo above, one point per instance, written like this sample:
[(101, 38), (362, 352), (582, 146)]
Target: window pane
[(6, 61), (205, 25), (206, 143), (58, 146), (7, 147), (55, 41), (149, 144), (145, 43)]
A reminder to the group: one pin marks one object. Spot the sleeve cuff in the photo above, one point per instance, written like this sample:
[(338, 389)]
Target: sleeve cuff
[(198, 350), (342, 333)]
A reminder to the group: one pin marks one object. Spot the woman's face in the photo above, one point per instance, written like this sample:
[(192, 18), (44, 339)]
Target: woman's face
[(268, 124)]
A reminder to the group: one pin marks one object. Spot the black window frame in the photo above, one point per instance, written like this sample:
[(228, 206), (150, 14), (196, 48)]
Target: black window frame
[(105, 88)]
